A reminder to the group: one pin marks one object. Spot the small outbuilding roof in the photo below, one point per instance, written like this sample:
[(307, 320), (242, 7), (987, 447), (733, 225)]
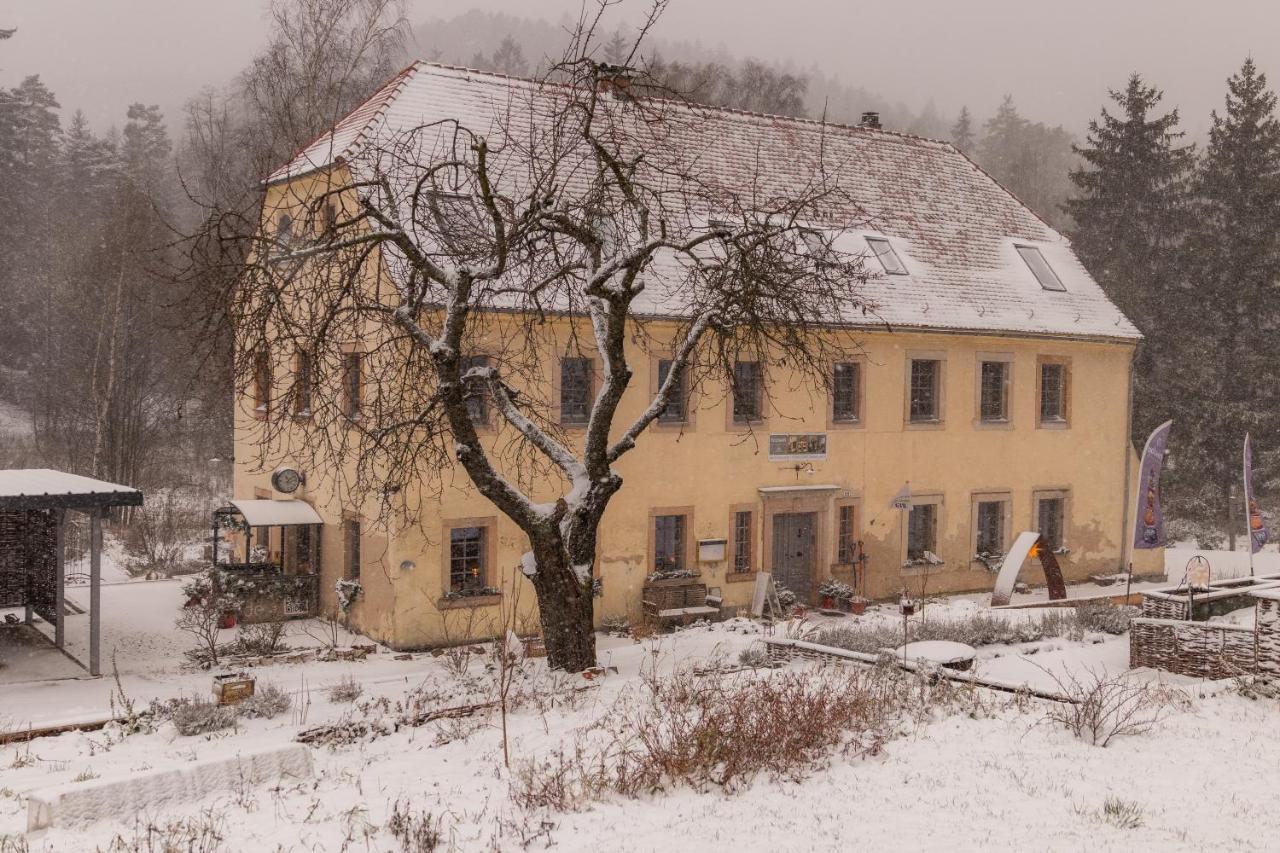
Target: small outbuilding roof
[(267, 513), (45, 488)]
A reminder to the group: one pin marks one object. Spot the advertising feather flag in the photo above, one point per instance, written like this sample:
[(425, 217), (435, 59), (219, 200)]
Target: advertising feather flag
[(1256, 525), (1148, 529)]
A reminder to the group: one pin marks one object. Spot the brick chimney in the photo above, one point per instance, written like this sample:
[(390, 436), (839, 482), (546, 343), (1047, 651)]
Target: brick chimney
[(615, 79), (870, 119)]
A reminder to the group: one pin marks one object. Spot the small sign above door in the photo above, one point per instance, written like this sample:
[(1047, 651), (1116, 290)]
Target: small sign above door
[(797, 445)]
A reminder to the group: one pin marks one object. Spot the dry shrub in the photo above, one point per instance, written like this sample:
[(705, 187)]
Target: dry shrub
[(267, 701), (262, 638), (417, 833), (199, 834), (346, 690), (1103, 707), (722, 730), (984, 629), (199, 717)]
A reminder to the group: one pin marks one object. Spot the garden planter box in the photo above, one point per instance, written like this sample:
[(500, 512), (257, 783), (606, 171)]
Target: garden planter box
[(232, 688)]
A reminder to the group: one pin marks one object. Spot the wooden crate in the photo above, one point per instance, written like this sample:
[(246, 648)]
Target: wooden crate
[(232, 688)]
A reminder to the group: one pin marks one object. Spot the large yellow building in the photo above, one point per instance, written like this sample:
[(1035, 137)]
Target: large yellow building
[(992, 386)]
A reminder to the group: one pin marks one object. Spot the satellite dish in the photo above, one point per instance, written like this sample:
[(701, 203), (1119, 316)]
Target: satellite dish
[(286, 479)]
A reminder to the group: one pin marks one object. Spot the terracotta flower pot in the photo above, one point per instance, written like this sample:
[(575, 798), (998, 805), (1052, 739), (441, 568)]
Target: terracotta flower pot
[(828, 602), (228, 620), (857, 608)]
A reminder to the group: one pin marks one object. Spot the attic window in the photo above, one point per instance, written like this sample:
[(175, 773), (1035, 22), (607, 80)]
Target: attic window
[(887, 257), (1040, 268)]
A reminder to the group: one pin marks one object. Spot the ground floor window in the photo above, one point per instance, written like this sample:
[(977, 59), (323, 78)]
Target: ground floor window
[(668, 543), (922, 531), (742, 536), (467, 552), (1051, 512), (989, 536), (846, 535), (351, 547)]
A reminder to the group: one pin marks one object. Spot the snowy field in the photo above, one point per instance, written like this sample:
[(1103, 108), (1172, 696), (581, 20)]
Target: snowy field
[(992, 773)]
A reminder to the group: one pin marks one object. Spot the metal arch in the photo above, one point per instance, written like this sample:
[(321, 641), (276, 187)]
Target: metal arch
[(1026, 545)]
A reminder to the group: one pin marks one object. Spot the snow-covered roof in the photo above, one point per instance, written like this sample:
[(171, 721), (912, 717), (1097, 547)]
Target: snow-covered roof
[(45, 488), (269, 513), (955, 229)]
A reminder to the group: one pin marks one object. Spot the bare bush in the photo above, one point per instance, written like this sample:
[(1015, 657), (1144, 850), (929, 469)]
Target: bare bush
[(262, 638), (417, 833), (160, 532), (202, 616), (198, 717), (720, 730), (1122, 814), (267, 701), (983, 629), (203, 833), (1103, 707), (346, 690), (754, 655)]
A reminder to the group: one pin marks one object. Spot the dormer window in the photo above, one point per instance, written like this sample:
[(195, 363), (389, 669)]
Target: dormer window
[(1040, 268), (887, 257)]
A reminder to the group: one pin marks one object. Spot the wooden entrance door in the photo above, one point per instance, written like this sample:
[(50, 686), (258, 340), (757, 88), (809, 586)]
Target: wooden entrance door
[(793, 552)]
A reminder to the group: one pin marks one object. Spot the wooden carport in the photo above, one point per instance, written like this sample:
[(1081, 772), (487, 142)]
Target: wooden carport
[(34, 503)]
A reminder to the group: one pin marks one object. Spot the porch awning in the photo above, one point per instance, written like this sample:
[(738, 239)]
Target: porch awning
[(265, 513)]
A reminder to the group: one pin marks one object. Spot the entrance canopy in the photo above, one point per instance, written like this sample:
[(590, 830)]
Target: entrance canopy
[(266, 513)]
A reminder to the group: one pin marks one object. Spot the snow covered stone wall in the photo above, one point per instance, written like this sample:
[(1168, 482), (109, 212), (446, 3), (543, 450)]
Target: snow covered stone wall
[(79, 803)]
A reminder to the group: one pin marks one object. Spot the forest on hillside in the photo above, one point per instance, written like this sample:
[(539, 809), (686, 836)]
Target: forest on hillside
[(117, 246)]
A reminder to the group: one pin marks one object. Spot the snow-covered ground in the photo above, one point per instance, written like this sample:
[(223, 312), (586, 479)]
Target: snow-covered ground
[(1001, 778)]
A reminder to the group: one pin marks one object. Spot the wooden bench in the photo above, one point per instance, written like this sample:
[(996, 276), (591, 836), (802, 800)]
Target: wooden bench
[(679, 601)]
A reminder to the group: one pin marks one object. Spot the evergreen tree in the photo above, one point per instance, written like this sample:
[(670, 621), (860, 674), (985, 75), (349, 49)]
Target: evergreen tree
[(1030, 159), (1131, 220), (1230, 308), (962, 132)]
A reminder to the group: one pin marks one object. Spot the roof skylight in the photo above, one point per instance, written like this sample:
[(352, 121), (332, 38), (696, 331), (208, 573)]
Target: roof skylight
[(1040, 268), (887, 257)]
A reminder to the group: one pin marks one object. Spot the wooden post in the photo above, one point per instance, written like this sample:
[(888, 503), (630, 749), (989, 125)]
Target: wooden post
[(95, 592), (60, 577)]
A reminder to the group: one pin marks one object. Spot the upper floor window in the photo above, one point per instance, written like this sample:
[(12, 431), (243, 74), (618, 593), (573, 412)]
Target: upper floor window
[(1053, 392), (925, 390), (352, 383), (262, 381), (575, 390), (1040, 268), (284, 230), (302, 383), (886, 255), (677, 408), (993, 393), (846, 384), (477, 399), (748, 389)]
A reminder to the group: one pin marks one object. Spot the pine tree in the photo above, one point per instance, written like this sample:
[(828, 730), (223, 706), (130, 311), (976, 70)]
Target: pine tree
[(1230, 309), (962, 132), (1131, 220), (1030, 159)]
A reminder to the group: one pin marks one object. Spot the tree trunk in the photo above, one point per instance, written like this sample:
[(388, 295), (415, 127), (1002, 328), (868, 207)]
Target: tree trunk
[(566, 611)]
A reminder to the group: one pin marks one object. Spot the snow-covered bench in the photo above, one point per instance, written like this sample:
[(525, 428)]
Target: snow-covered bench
[(677, 602)]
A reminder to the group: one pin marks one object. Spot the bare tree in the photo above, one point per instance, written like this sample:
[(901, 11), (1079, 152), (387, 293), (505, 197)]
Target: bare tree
[(580, 219)]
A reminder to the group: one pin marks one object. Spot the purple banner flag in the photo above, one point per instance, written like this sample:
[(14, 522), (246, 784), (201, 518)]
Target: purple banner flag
[(1148, 529), (1257, 527)]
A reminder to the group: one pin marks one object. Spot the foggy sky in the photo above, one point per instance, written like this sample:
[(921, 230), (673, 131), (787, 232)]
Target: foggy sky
[(1056, 59)]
